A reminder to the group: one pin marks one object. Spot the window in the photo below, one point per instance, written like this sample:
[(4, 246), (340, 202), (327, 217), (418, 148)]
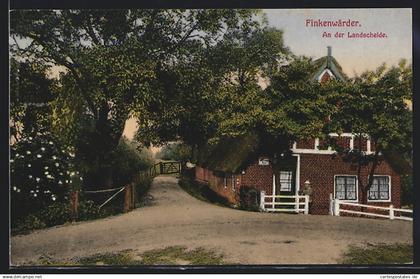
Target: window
[(225, 181), (286, 181), (345, 187), (380, 189), (263, 162)]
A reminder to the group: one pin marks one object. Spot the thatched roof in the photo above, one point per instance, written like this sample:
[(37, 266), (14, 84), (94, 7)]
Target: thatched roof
[(230, 155), (322, 63)]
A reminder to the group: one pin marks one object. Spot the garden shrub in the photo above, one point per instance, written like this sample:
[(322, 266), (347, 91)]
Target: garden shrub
[(88, 210), (128, 161), (56, 214), (249, 198), (28, 224), (41, 174), (175, 152), (142, 186)]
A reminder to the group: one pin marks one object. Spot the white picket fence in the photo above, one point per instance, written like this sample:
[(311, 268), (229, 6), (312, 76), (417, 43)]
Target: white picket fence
[(389, 212), (296, 201)]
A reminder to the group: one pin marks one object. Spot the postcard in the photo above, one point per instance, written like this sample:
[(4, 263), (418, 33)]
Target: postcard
[(211, 137)]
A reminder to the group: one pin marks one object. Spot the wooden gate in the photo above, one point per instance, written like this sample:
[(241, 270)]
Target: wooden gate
[(170, 167)]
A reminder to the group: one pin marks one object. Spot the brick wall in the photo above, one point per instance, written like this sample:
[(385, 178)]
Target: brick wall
[(306, 144), (217, 184), (343, 142), (320, 171), (260, 177), (363, 143)]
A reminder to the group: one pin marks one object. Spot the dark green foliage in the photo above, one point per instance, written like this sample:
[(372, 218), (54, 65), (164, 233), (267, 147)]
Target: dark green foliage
[(175, 152), (379, 254), (127, 162), (28, 224), (249, 198), (373, 106), (55, 214), (88, 210), (30, 93), (407, 190), (121, 63), (60, 213), (142, 185)]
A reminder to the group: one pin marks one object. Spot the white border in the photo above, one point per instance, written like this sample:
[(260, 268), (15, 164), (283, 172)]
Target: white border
[(357, 187), (389, 190)]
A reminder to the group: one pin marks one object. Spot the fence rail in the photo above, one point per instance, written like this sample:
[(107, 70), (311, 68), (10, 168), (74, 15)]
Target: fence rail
[(335, 209), (129, 190), (279, 206)]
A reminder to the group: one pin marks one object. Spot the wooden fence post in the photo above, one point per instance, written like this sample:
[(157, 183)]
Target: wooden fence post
[(331, 205), (262, 201), (336, 207), (74, 204), (127, 198), (160, 168), (391, 212), (306, 204)]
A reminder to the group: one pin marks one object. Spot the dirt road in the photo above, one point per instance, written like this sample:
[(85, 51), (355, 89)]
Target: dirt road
[(176, 218)]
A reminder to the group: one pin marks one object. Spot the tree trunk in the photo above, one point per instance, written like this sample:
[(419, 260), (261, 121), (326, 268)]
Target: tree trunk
[(103, 142)]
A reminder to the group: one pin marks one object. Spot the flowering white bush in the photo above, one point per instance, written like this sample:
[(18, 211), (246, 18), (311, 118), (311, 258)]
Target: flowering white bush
[(41, 172)]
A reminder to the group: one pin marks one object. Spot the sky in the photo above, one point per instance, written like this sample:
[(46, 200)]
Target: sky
[(354, 55)]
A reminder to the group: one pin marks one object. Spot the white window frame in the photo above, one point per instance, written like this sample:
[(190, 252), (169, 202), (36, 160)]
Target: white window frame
[(389, 189), (357, 187), (263, 162), (233, 182), (225, 181)]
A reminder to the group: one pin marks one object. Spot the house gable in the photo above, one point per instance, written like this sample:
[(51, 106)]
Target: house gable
[(328, 68)]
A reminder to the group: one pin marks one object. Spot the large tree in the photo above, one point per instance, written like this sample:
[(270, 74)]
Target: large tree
[(206, 88), (373, 106), (292, 107), (113, 63)]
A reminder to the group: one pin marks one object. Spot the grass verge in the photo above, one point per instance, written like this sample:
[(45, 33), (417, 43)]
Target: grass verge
[(398, 253), (172, 255)]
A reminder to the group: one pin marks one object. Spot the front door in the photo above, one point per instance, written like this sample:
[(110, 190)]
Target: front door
[(284, 177), (284, 183)]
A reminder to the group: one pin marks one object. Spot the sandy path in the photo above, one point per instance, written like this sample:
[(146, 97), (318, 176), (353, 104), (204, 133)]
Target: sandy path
[(176, 218)]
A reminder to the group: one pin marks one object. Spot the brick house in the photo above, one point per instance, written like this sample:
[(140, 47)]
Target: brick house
[(308, 164)]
